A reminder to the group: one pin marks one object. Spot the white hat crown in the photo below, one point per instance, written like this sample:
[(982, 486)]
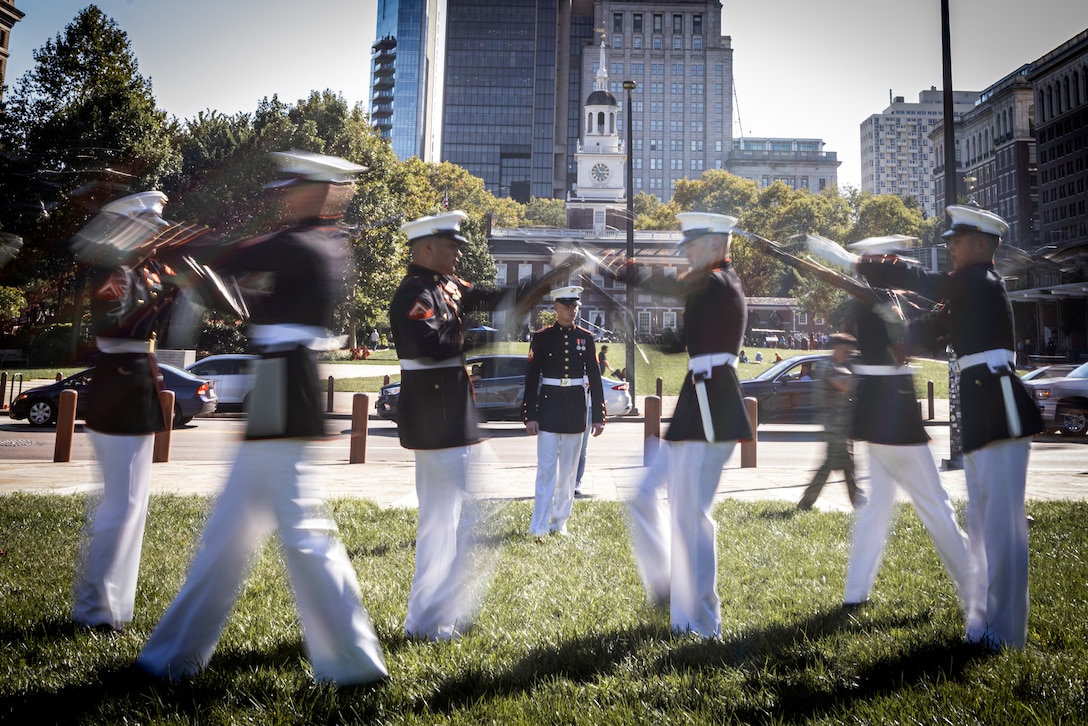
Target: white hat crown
[(696, 224), (135, 204), (317, 167), (568, 292), (447, 224), (963, 218)]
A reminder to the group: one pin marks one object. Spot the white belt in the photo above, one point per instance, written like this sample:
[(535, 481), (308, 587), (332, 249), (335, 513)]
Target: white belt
[(564, 382), (284, 336), (124, 345), (703, 364), (997, 359), (864, 370), (426, 364)]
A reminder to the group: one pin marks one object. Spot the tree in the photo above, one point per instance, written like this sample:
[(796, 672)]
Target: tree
[(541, 212), (86, 121)]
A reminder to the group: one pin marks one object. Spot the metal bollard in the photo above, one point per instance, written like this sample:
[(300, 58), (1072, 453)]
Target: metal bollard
[(932, 411), (66, 426), (161, 447), (3, 390), (748, 448), (660, 387), (360, 414), (651, 428), (328, 403)]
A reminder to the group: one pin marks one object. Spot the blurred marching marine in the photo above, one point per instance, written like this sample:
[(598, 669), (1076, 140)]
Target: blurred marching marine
[(998, 413), (437, 418), (436, 413), (129, 298), (562, 366), (836, 406), (303, 269), (677, 559), (886, 415)]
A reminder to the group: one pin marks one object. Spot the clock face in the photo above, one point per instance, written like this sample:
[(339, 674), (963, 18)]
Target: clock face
[(600, 172)]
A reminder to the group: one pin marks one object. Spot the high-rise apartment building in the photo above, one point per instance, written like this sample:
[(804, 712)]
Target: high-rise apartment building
[(1060, 83), (9, 16), (682, 104), (405, 76), (897, 154), (996, 153)]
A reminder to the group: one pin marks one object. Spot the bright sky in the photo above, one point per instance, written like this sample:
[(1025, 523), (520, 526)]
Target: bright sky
[(801, 68)]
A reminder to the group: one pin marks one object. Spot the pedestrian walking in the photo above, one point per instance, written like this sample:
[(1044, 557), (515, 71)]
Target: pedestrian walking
[(836, 401)]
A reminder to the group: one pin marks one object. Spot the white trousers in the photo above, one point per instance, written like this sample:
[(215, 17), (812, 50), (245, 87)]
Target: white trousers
[(439, 596), (677, 558), (109, 561), (266, 490), (556, 466), (915, 470), (998, 526)]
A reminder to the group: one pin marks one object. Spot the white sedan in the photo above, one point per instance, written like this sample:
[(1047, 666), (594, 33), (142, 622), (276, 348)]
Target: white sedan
[(232, 373)]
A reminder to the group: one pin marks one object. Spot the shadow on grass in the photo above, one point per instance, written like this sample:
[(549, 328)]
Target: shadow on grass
[(774, 657)]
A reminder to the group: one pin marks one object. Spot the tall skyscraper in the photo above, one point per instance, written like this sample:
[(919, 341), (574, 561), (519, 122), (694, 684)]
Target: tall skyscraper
[(502, 117), (517, 74), (682, 105), (897, 155), (406, 76)]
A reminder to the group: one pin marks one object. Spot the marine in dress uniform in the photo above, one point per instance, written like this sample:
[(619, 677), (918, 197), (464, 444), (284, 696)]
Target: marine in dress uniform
[(562, 366), (436, 417), (302, 269), (886, 415), (677, 557), (127, 303), (998, 414), (837, 406)]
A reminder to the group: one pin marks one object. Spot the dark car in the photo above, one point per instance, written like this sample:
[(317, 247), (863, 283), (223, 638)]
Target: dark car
[(39, 406), (786, 391), (499, 381)]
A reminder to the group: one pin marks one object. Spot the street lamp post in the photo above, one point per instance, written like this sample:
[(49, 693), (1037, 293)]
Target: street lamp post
[(629, 359)]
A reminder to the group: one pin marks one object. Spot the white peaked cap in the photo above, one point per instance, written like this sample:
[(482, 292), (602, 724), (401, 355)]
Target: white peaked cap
[(135, 204), (570, 292), (437, 225), (974, 219), (315, 167), (697, 224), (880, 245)]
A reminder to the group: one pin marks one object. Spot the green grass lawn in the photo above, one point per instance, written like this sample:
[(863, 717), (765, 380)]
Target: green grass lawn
[(563, 635)]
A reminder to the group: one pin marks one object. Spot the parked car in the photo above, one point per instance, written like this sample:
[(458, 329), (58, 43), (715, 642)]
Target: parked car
[(500, 388), (192, 396), (787, 391), (1063, 402), (1053, 371), (232, 374)]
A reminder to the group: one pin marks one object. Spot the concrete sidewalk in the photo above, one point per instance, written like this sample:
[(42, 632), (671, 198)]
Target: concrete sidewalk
[(391, 484)]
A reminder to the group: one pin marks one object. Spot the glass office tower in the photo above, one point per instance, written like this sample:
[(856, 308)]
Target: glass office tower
[(403, 81), (499, 118)]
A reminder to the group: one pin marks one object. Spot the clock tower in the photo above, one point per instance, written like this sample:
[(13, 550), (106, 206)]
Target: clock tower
[(600, 197)]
